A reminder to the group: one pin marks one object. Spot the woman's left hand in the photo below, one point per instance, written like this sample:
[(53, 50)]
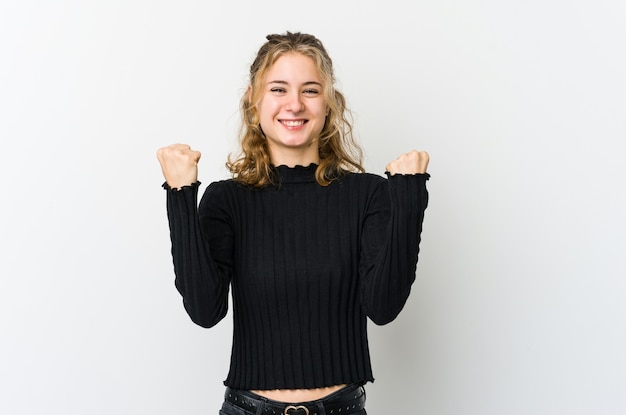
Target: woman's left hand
[(412, 162)]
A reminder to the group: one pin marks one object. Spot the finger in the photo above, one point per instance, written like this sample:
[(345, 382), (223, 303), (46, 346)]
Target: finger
[(422, 159), (171, 148), (178, 151), (180, 146), (391, 168)]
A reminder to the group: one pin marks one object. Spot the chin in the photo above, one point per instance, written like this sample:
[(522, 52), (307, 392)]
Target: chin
[(298, 143)]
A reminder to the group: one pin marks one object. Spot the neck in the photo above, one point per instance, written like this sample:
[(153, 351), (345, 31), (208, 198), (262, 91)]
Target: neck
[(294, 158)]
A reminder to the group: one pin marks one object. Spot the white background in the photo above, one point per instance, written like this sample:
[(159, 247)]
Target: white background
[(519, 304)]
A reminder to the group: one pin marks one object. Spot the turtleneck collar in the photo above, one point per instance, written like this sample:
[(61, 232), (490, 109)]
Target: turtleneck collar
[(296, 174)]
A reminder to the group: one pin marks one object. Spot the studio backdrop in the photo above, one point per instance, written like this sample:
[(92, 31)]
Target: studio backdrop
[(518, 305)]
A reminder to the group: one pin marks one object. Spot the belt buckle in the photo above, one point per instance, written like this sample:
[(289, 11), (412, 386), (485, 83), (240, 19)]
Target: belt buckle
[(296, 408)]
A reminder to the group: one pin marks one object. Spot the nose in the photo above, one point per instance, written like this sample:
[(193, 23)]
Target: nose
[(294, 103)]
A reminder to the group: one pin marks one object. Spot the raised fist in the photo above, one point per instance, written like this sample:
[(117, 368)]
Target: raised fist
[(409, 163), (179, 164)]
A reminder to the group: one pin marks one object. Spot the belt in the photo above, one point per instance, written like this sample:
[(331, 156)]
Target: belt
[(345, 401)]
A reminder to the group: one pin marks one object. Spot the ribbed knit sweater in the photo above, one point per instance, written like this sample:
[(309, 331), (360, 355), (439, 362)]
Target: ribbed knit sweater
[(308, 264)]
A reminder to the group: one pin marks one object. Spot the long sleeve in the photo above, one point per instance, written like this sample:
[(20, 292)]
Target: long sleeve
[(200, 254), (390, 245)]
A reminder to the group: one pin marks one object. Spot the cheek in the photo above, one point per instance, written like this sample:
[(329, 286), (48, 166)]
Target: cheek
[(262, 113), (268, 109), (322, 114)]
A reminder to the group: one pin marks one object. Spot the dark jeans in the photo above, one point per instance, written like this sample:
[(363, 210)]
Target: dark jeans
[(346, 401)]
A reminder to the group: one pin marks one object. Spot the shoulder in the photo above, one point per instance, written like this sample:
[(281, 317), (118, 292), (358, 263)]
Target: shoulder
[(368, 183), (363, 179), (218, 193), (220, 185), (363, 189), (226, 191)]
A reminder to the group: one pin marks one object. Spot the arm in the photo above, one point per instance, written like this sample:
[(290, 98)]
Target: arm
[(390, 245), (391, 237), (201, 254), (199, 242)]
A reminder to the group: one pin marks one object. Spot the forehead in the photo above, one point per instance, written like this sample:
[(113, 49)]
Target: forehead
[(293, 67)]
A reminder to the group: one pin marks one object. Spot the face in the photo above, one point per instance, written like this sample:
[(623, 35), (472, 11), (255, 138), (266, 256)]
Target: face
[(293, 110)]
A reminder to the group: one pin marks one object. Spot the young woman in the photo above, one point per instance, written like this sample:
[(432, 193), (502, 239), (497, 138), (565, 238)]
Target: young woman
[(311, 245)]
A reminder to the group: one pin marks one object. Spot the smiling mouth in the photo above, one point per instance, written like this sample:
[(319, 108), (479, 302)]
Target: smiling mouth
[(293, 123)]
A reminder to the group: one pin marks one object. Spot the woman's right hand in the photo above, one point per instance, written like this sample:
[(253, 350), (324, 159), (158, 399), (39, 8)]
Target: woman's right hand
[(179, 164)]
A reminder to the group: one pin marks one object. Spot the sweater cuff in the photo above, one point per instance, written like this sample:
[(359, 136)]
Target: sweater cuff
[(182, 189), (181, 203), (409, 189), (424, 176)]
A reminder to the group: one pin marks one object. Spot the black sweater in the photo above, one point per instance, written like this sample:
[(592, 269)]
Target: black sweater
[(307, 264)]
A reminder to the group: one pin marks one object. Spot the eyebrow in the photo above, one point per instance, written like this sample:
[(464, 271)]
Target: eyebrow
[(287, 83)]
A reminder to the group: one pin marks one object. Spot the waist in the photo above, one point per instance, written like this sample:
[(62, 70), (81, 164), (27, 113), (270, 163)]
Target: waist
[(347, 400), (298, 395)]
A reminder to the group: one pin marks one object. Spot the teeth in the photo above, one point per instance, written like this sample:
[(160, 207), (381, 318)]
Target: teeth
[(293, 123)]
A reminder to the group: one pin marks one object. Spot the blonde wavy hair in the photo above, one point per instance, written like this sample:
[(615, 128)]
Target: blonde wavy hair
[(339, 153)]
